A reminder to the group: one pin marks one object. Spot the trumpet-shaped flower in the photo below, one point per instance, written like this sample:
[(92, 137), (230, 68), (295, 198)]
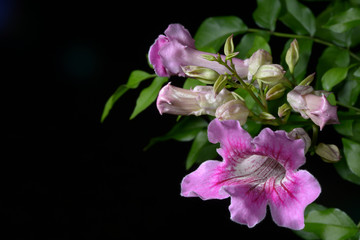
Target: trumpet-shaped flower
[(199, 101), (254, 173), (176, 49)]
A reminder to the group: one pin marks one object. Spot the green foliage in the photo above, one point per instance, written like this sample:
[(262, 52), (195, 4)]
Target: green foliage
[(250, 43), (344, 21), (352, 155), (267, 13), (148, 95), (327, 224), (136, 77), (215, 30), (333, 77), (184, 130), (298, 17)]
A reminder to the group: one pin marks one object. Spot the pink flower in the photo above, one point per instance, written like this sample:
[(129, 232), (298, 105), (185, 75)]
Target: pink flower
[(199, 101), (313, 104), (176, 49), (254, 173)]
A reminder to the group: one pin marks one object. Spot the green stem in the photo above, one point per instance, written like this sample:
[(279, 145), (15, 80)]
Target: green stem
[(317, 40), (348, 106), (244, 85)]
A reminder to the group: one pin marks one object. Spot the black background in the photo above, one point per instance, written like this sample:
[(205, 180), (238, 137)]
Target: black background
[(67, 176)]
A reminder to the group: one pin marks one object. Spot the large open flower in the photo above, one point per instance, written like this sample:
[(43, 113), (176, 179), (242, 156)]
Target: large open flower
[(176, 49), (255, 173)]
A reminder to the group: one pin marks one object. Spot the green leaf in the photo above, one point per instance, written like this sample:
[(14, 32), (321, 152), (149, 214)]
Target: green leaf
[(350, 91), (148, 95), (266, 13), (190, 83), (213, 32), (333, 76), (330, 58), (250, 43), (345, 127), (298, 18), (327, 224), (357, 72), (340, 39), (184, 130), (201, 150), (343, 170), (352, 153), (344, 21), (135, 78)]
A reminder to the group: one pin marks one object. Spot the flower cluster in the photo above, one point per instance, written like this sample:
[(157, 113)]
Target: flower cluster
[(255, 172)]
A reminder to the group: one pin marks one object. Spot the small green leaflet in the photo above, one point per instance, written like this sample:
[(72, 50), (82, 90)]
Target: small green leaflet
[(266, 13), (299, 18), (327, 224), (344, 21), (201, 150), (250, 43), (184, 130), (333, 76), (352, 153), (148, 95), (135, 78), (213, 32)]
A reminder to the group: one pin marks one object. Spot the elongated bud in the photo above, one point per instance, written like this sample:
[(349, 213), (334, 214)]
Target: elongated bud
[(284, 110), (220, 84), (266, 116), (205, 75), (229, 45), (292, 55), (275, 92), (233, 110), (328, 152), (308, 80), (209, 57), (270, 74)]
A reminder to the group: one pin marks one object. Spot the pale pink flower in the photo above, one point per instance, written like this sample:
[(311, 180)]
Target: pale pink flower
[(313, 104), (198, 101), (176, 49), (254, 173)]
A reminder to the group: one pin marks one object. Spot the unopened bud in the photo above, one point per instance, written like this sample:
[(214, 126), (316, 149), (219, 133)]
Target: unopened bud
[(275, 92), (220, 84), (229, 45), (292, 55), (270, 74), (209, 57), (233, 110), (260, 57), (284, 110), (328, 152), (300, 133), (205, 75), (307, 81), (266, 116)]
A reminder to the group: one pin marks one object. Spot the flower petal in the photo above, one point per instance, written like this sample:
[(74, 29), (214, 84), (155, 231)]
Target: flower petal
[(289, 199), (179, 33), (203, 182), (278, 145), (248, 205), (233, 139), (155, 58)]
